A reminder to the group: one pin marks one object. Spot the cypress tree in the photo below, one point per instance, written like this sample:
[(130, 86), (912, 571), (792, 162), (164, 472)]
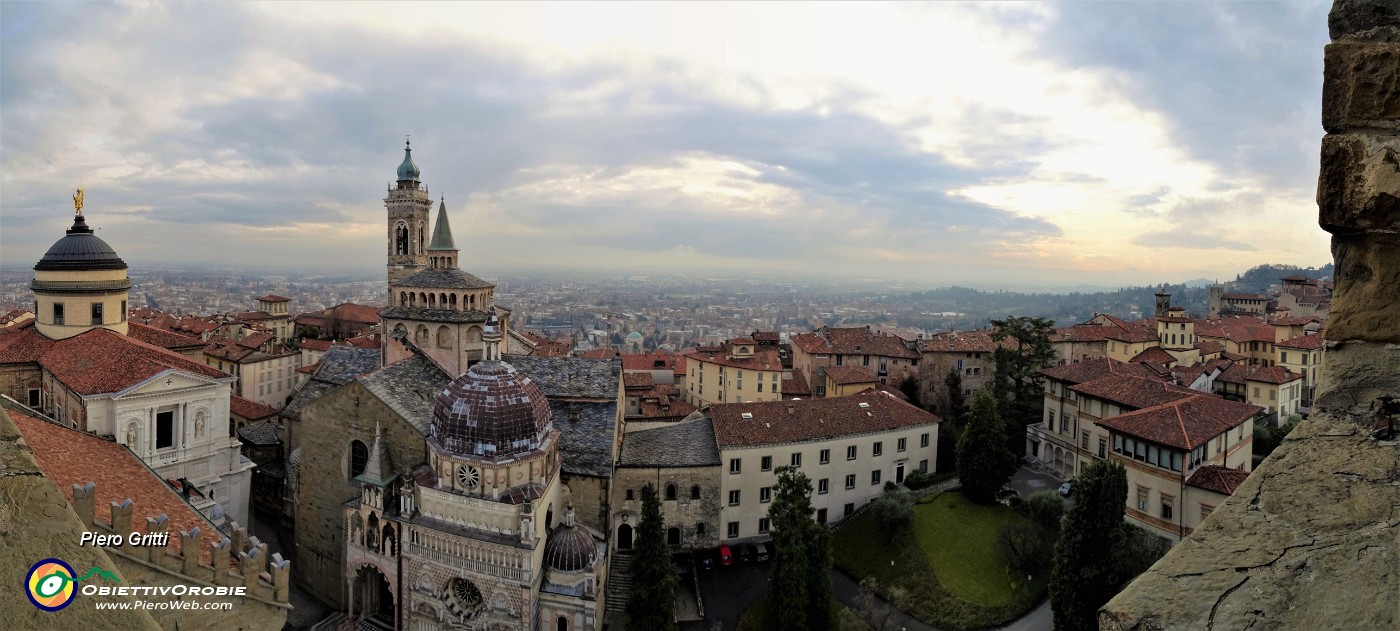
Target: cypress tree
[(819, 592), (984, 464), (954, 418), (652, 605), (790, 521), (1084, 577)]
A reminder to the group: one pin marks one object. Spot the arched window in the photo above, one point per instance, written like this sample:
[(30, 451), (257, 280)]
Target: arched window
[(452, 300), (359, 455), (670, 491), (695, 492), (401, 238), (390, 542), (423, 298), (372, 532), (403, 299), (563, 624), (444, 337), (432, 300), (472, 298), (442, 300), (420, 336)]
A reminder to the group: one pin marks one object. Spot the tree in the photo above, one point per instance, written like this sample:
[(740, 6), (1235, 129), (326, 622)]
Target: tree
[(1026, 547), (1023, 348), (953, 419), (893, 513), (1084, 577), (1045, 509), (909, 385), (800, 592), (652, 607), (984, 464), (873, 609)]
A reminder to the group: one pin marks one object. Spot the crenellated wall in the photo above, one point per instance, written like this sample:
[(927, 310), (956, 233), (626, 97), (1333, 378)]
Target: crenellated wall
[(1310, 541)]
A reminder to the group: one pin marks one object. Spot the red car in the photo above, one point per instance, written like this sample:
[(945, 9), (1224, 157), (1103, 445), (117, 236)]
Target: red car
[(725, 556)]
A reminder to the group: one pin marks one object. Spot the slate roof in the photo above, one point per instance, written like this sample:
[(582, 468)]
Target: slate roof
[(443, 278), (776, 422), (339, 366), (432, 315), (261, 434), (1184, 423), (585, 444), (409, 387), (685, 444), (71, 457), (571, 376), (1217, 479)]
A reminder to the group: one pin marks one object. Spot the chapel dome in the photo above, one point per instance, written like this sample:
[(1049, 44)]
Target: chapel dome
[(569, 549), (80, 250), (491, 411)]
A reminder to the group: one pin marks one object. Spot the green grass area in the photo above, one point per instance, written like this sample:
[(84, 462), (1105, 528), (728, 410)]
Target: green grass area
[(949, 573), (971, 568), (846, 620)]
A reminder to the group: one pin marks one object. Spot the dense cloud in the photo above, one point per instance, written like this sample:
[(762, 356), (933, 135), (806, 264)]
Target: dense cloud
[(216, 132)]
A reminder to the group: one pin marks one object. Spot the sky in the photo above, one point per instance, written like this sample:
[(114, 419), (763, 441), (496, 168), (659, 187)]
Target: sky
[(983, 144)]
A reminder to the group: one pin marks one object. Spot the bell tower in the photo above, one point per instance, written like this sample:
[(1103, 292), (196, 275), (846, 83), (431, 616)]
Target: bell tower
[(407, 205)]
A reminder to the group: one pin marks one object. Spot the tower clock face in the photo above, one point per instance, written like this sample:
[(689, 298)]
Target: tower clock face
[(468, 477)]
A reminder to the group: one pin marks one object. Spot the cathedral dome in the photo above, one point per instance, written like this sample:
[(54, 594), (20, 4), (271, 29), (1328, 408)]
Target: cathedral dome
[(408, 171), (491, 411), (569, 549), (80, 250)]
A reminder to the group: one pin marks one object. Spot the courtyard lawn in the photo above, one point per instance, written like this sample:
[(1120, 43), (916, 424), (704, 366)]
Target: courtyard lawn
[(949, 573)]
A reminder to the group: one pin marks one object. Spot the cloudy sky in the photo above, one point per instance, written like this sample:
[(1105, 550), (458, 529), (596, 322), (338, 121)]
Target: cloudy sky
[(988, 143)]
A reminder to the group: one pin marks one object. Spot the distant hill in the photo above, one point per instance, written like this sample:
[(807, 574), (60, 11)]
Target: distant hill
[(1199, 282), (1258, 279)]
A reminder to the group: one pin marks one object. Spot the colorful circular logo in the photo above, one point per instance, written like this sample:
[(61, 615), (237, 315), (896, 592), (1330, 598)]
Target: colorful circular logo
[(50, 585)]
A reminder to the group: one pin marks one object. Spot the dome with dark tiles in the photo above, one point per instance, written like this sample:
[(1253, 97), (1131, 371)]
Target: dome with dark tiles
[(80, 250), (491, 411), (570, 548)]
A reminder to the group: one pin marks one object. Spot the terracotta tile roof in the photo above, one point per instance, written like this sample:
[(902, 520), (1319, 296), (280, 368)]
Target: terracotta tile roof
[(273, 298), (1245, 297), (763, 358), (848, 375), (1273, 374), (863, 341), (1209, 347), (1236, 329), (637, 380), (254, 316), (315, 345), (795, 384), (1218, 479), (1309, 342), (248, 409), (309, 369), (1296, 320), (776, 422), (680, 364), (659, 360), (1233, 357), (97, 361), (254, 340), (1134, 332), (1082, 333), (959, 342), (351, 312), (161, 337), (1184, 423), (1135, 392), (765, 336), (71, 457), (1092, 369), (369, 341), (597, 353), (15, 317), (1153, 355)]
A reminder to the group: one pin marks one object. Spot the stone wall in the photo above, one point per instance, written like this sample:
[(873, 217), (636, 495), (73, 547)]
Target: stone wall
[(1309, 540), (327, 427), (683, 512), (589, 496)]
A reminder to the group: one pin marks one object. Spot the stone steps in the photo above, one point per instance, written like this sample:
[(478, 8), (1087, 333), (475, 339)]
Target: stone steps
[(619, 582)]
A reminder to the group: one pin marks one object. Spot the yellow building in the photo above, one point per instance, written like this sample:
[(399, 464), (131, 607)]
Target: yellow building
[(1276, 389), (1302, 355), (80, 283), (737, 371), (889, 356), (841, 381)]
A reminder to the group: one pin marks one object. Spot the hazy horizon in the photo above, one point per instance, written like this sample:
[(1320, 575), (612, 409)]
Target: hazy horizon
[(991, 145)]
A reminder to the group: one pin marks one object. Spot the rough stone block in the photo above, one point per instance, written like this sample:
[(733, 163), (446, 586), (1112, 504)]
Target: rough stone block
[(1350, 18), (1354, 375), (1358, 187), (1368, 289), (1361, 87)]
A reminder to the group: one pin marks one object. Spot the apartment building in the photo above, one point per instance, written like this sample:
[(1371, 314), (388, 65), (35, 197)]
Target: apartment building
[(1276, 389), (736, 371), (889, 356), (1303, 355)]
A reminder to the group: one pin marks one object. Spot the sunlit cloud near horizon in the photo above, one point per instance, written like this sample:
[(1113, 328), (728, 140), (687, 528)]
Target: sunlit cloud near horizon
[(984, 144)]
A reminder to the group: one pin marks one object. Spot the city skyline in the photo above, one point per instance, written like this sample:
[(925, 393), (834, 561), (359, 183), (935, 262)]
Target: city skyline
[(1087, 144)]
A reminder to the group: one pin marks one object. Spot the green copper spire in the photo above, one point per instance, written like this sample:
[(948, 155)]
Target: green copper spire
[(442, 232), (408, 171)]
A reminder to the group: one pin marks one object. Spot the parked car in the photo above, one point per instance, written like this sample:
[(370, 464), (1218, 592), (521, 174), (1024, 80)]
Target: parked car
[(1066, 489), (1008, 496), (765, 551), (745, 552), (726, 556)]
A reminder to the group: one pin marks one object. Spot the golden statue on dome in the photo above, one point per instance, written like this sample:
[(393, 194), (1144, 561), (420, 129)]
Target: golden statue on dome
[(78, 202)]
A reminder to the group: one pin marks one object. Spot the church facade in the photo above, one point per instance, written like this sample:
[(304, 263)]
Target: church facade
[(435, 485)]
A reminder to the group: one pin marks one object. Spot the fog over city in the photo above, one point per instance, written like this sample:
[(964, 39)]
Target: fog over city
[(988, 144)]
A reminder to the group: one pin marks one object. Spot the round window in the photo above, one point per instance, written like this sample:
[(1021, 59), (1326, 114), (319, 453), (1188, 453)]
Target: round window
[(468, 477)]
